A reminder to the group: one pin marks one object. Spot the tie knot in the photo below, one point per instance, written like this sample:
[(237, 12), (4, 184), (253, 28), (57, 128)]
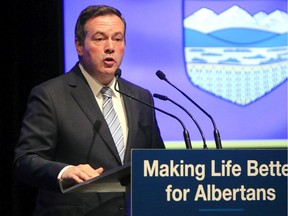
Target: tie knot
[(106, 92)]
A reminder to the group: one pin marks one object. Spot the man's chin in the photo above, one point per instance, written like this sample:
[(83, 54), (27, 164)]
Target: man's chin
[(110, 70)]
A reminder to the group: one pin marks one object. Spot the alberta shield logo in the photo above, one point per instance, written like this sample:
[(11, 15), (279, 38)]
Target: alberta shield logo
[(236, 55)]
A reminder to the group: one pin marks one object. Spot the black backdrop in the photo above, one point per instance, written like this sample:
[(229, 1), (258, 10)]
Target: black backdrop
[(31, 52)]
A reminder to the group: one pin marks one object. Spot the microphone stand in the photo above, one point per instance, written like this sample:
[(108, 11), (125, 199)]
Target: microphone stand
[(217, 139), (185, 131), (162, 97)]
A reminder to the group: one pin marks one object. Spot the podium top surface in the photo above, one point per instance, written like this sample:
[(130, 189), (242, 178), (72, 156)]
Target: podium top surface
[(114, 180)]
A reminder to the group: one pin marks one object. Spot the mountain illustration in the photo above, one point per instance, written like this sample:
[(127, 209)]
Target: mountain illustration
[(207, 21)]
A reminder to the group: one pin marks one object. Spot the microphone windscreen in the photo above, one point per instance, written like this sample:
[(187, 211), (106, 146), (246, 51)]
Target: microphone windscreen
[(161, 97), (161, 75), (118, 72)]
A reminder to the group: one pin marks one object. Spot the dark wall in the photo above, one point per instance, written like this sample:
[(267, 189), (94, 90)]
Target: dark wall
[(32, 52)]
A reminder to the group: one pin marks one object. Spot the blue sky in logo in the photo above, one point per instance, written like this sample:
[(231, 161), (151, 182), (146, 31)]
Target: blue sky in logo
[(218, 6)]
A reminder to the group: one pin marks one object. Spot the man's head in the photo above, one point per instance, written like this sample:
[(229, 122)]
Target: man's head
[(100, 41)]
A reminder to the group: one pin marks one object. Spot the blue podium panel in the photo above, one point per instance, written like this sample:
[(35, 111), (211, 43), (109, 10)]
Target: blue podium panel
[(209, 182)]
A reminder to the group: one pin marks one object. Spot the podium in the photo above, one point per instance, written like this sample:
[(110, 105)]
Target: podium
[(209, 182), (198, 182)]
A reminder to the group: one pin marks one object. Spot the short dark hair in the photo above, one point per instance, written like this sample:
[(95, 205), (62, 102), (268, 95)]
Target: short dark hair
[(91, 12)]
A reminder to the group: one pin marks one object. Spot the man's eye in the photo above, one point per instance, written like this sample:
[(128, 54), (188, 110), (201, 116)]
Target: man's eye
[(99, 39), (118, 39)]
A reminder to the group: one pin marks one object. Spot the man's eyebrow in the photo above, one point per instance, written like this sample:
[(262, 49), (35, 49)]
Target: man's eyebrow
[(98, 32), (103, 33)]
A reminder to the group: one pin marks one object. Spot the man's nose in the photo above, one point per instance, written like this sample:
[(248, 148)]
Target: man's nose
[(109, 46)]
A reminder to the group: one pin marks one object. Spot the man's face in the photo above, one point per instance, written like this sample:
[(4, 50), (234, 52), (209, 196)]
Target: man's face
[(103, 48)]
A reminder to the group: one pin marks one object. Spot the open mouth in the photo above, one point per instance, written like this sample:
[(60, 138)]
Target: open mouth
[(109, 61)]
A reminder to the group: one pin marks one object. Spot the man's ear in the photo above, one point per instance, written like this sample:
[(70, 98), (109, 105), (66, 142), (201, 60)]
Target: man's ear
[(78, 46)]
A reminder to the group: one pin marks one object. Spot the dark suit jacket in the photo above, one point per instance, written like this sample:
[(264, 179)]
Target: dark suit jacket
[(64, 125)]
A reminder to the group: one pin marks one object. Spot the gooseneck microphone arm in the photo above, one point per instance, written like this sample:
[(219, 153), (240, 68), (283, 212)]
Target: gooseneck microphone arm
[(217, 138), (185, 131), (165, 98)]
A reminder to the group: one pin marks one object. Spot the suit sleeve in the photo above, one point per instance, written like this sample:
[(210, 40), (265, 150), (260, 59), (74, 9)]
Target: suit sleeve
[(34, 153)]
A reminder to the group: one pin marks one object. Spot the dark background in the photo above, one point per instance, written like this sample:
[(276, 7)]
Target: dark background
[(32, 52)]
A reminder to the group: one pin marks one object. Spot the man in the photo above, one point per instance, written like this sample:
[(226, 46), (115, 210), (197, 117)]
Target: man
[(65, 138)]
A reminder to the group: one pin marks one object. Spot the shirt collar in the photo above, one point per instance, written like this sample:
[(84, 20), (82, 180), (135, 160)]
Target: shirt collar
[(96, 86)]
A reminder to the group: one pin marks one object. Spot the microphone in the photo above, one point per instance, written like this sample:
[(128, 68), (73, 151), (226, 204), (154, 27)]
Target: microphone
[(217, 138), (185, 131), (165, 98)]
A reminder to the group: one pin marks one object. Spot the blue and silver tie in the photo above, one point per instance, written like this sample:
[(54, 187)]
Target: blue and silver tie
[(113, 121)]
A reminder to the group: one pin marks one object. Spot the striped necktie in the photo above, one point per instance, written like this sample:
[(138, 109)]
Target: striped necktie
[(113, 121)]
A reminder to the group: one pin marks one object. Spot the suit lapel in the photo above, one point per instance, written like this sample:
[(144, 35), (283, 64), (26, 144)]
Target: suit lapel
[(84, 97), (132, 112)]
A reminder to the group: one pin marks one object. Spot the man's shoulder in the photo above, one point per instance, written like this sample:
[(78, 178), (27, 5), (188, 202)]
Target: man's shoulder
[(52, 82), (133, 86), (57, 85), (61, 79)]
